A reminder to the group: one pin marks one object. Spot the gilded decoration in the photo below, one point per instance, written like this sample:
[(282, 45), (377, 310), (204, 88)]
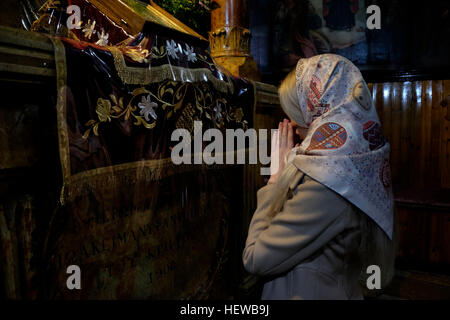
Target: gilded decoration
[(230, 41)]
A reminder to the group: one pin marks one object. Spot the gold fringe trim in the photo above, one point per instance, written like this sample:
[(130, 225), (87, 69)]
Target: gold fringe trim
[(61, 82), (143, 76), (132, 173)]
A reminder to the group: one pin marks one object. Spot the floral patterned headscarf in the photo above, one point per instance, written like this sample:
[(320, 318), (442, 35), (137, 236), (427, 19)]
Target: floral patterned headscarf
[(344, 149)]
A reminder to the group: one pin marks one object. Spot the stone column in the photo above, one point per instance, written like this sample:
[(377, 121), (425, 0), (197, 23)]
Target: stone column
[(230, 38)]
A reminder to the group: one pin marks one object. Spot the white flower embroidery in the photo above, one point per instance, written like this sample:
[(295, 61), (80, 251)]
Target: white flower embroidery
[(147, 108), (172, 49), (88, 29), (102, 39), (189, 52)]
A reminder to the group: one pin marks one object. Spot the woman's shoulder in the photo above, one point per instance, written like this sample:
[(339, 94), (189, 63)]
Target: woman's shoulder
[(310, 191)]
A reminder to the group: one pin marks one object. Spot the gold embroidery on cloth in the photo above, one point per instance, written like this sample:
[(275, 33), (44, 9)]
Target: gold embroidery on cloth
[(186, 120), (73, 185), (169, 98), (149, 170), (61, 80), (143, 76), (107, 111)]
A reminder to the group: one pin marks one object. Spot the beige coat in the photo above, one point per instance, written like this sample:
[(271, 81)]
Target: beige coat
[(309, 249)]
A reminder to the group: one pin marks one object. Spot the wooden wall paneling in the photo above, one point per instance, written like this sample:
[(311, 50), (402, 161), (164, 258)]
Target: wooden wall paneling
[(435, 137), (413, 234), (384, 99), (415, 285), (444, 158), (425, 155), (377, 96), (396, 119), (415, 127), (439, 233), (370, 86), (406, 176)]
